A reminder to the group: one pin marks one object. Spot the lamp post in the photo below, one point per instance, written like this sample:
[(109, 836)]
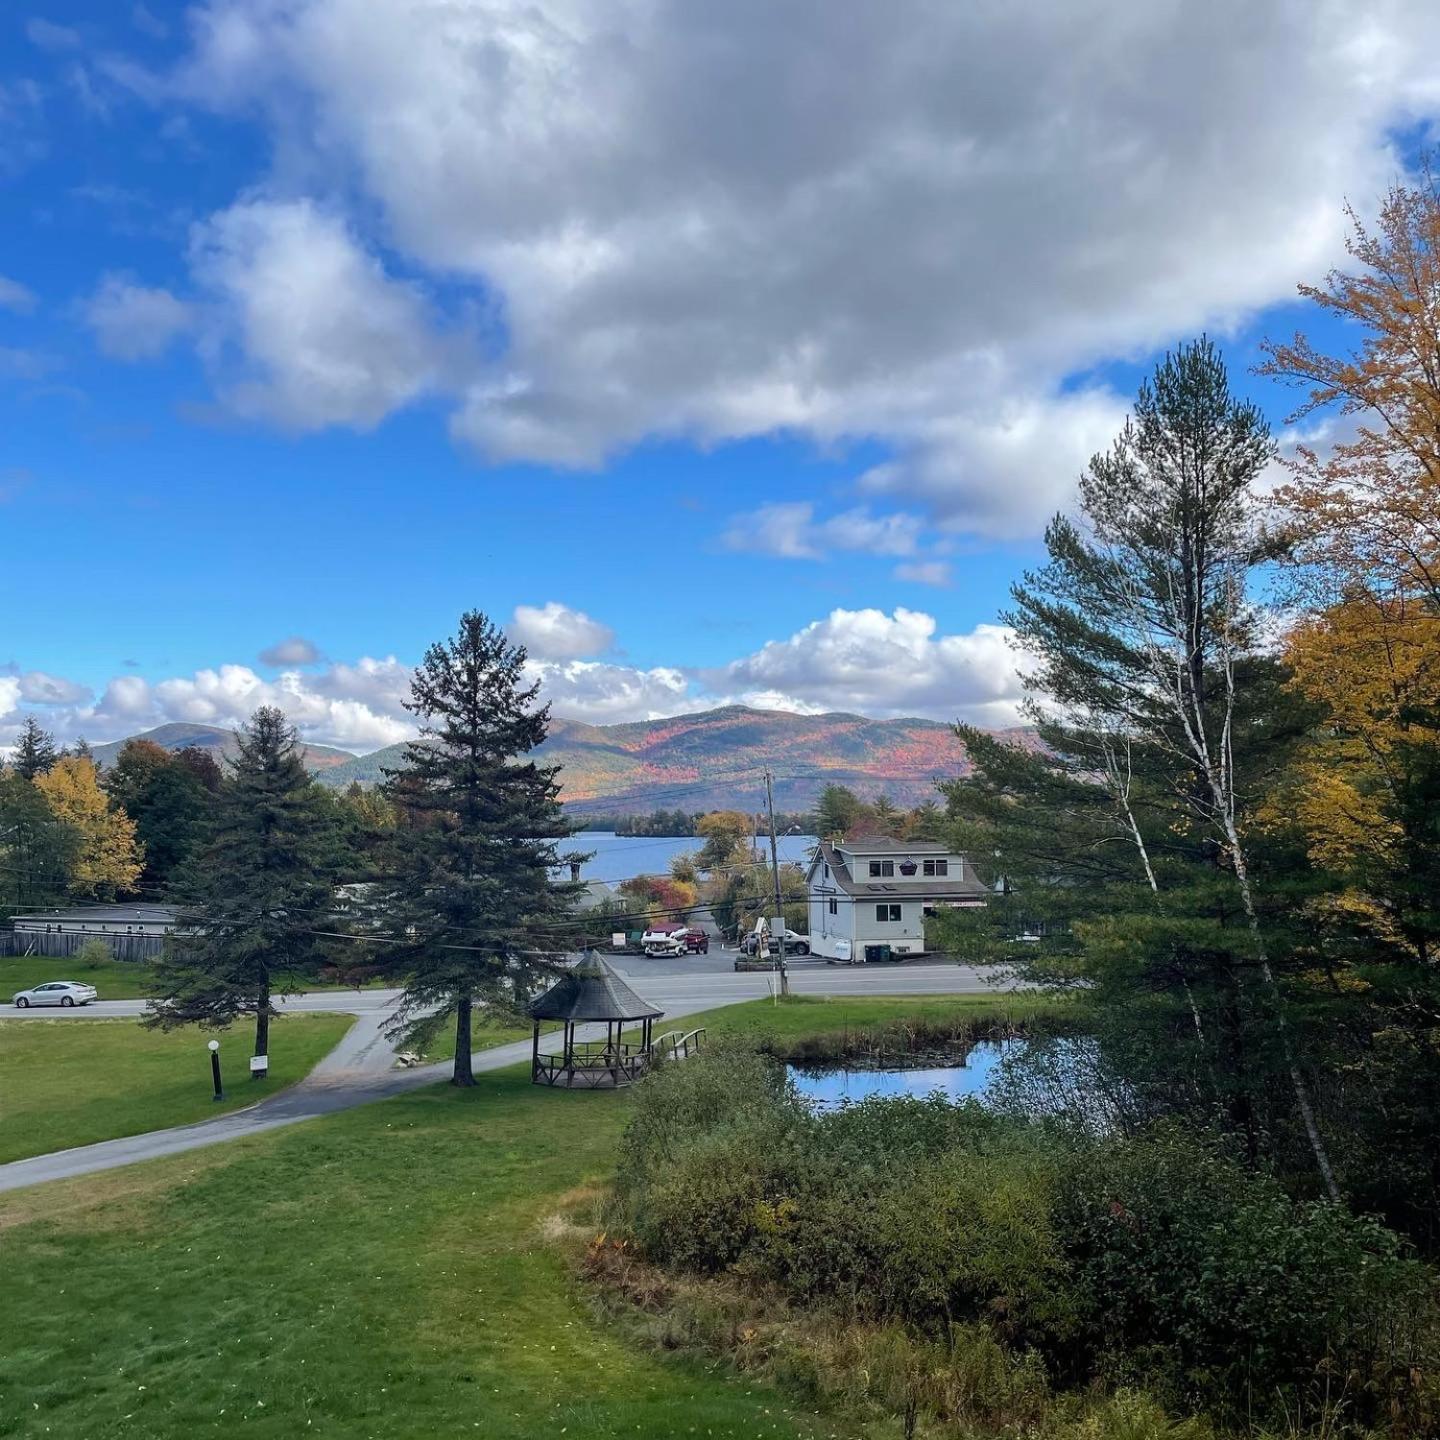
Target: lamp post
[(215, 1068)]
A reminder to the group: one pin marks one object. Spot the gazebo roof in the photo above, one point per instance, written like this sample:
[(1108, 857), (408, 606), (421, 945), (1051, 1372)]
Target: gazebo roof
[(591, 991)]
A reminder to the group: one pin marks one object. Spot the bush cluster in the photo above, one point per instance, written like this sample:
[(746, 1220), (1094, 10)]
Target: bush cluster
[(1156, 1261)]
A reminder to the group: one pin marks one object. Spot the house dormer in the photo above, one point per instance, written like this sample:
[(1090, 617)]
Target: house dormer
[(903, 861)]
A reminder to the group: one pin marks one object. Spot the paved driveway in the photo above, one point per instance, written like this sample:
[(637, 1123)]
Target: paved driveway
[(361, 1068)]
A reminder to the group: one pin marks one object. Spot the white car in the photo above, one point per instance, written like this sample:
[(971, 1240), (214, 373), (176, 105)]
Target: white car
[(656, 943), (56, 992)]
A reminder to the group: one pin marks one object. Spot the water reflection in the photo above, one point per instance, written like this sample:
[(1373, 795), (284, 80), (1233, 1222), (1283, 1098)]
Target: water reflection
[(828, 1089)]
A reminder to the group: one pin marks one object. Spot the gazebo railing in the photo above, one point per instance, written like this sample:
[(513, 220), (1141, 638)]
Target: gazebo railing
[(583, 1064), (598, 1048), (624, 1064)]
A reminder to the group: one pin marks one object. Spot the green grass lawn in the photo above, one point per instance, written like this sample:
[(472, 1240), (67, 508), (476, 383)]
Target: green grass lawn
[(114, 979), (381, 1272), (485, 1032), (71, 1082)]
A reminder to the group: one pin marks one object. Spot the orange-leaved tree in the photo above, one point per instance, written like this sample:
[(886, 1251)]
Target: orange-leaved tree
[(1368, 504)]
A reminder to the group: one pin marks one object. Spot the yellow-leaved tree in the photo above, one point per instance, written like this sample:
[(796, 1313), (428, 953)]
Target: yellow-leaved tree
[(1366, 793), (1366, 513), (1372, 665), (109, 857)]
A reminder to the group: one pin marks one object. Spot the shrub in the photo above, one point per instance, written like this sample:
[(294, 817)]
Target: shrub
[(93, 953), (1155, 1260), (969, 1236), (1234, 1291)]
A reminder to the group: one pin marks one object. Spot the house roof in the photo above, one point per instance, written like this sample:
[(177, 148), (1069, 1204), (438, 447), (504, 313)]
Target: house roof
[(927, 888), (99, 915), (595, 894), (888, 845), (591, 991)]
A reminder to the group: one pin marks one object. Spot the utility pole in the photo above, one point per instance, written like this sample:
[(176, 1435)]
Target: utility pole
[(775, 873)]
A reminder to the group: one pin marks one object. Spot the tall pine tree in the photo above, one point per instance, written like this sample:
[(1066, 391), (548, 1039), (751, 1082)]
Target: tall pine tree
[(255, 895), (470, 881), (1161, 715), (37, 850), (35, 750)]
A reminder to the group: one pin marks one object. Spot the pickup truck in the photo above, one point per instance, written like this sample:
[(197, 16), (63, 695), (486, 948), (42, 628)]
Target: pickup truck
[(795, 943)]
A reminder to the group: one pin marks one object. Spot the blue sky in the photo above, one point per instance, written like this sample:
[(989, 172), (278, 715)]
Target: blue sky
[(745, 354)]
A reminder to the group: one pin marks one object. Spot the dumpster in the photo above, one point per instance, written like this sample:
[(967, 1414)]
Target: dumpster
[(876, 953)]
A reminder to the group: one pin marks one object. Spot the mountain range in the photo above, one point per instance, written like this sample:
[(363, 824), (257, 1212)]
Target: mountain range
[(179, 736), (709, 760)]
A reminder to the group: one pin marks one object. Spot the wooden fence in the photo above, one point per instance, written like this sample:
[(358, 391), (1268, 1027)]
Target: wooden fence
[(64, 943)]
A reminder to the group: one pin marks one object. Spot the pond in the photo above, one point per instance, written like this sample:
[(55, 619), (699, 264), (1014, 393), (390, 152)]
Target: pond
[(828, 1089)]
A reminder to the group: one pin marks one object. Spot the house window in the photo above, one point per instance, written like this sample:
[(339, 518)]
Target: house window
[(834, 908), (888, 913), (937, 867), (882, 867)]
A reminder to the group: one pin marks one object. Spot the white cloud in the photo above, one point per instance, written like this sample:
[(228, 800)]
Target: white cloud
[(133, 321), (855, 660), (602, 694), (306, 328), (717, 222), (1005, 468), (38, 688), (789, 529), (15, 296), (148, 23), (46, 35), (925, 572), (353, 706), (295, 650), (556, 632), (26, 364), (879, 664)]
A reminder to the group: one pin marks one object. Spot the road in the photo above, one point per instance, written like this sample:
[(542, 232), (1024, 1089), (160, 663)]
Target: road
[(362, 1067)]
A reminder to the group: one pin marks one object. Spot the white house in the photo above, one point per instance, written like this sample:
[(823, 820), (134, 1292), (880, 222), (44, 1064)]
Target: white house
[(101, 920), (131, 932), (876, 891)]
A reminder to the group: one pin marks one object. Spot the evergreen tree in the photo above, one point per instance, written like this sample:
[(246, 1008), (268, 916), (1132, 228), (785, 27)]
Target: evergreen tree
[(256, 899), (35, 750), (37, 851), (1161, 715), (471, 875), (837, 812), (886, 819)]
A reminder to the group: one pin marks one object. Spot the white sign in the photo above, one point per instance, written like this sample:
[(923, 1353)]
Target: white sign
[(259, 1064), (617, 939), (777, 928)]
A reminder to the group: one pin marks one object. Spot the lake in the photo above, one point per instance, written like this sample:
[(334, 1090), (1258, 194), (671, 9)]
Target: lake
[(618, 857), (829, 1089)]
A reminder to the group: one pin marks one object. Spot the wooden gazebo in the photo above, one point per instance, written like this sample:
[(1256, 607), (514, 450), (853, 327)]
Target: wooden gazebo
[(589, 994)]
